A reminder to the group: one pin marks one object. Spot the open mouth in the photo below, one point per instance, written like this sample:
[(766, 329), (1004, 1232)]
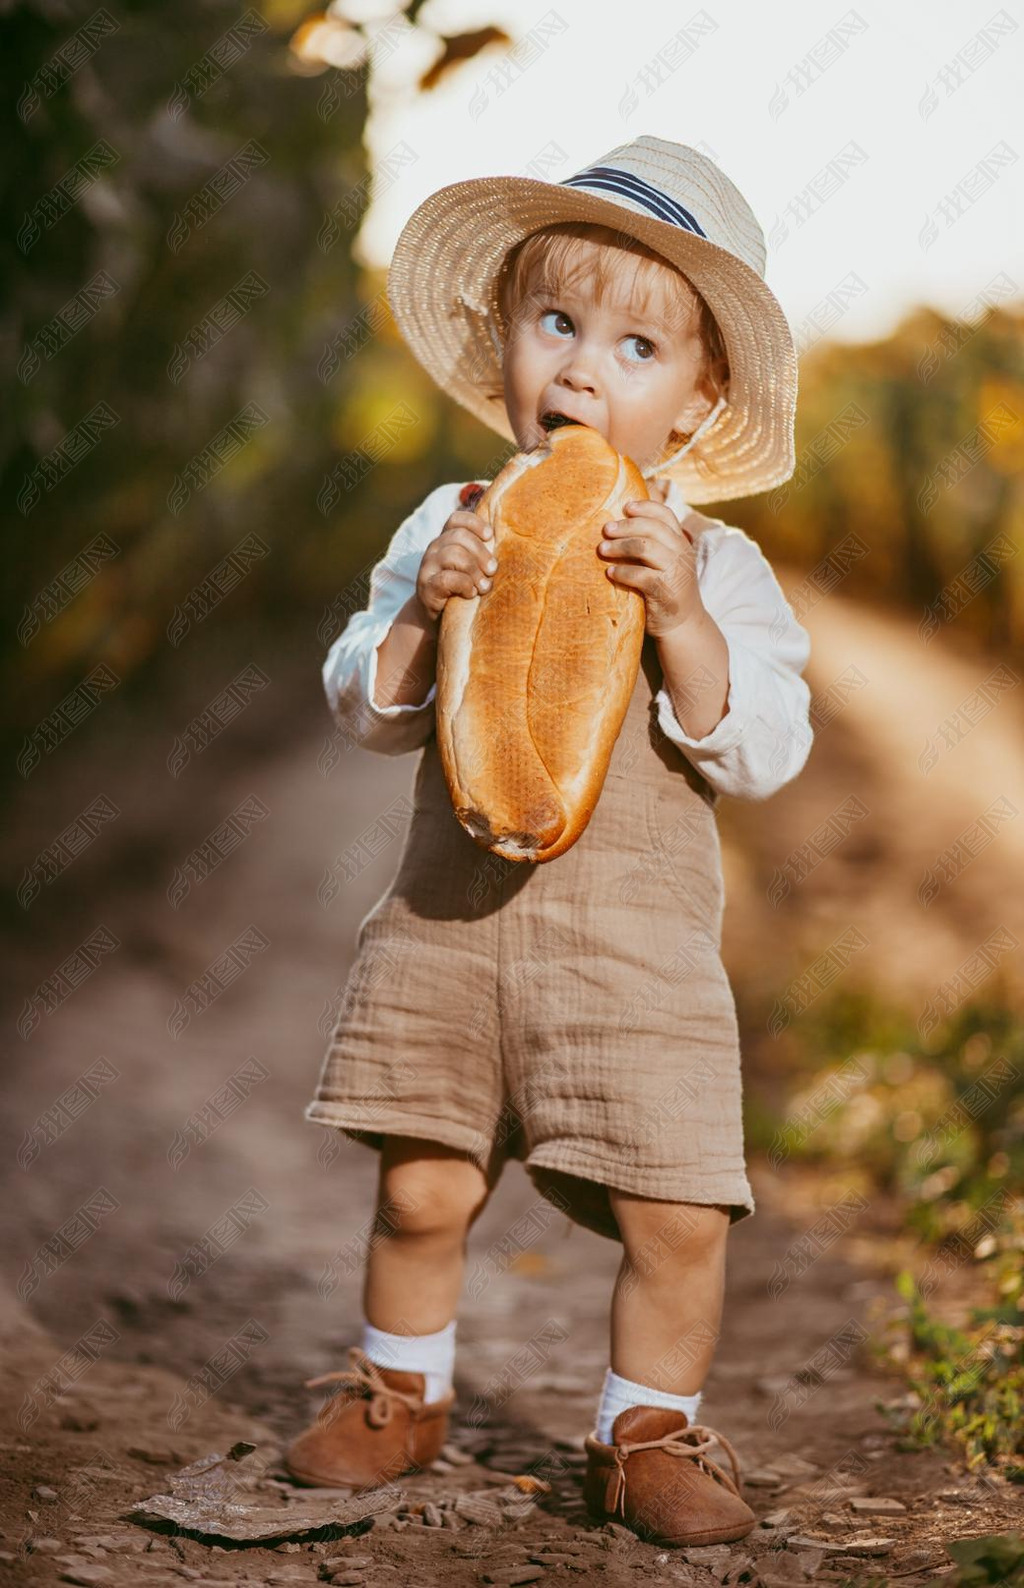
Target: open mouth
[(553, 421)]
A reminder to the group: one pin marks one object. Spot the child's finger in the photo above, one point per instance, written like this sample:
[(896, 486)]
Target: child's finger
[(464, 516), (477, 548), (469, 559), (660, 512), (455, 581), (637, 548)]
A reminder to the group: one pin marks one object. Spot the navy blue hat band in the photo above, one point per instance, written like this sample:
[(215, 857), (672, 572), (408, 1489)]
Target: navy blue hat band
[(634, 187)]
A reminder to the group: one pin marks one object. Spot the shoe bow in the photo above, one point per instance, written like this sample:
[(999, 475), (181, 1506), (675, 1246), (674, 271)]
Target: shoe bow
[(364, 1377), (692, 1442)]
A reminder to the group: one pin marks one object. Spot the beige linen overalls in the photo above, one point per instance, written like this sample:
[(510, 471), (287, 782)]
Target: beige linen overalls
[(576, 1014)]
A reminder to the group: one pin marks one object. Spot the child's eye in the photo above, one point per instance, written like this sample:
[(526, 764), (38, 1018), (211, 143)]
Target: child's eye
[(636, 337), (555, 314)]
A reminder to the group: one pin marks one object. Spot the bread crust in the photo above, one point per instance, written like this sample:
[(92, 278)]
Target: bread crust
[(534, 676)]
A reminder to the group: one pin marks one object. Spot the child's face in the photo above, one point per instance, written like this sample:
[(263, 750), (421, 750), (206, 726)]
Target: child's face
[(633, 376)]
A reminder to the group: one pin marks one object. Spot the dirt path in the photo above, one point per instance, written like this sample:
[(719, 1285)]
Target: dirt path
[(157, 1159), (786, 1386), (905, 823)]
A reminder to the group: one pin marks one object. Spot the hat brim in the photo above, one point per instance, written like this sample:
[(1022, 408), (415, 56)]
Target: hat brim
[(442, 286)]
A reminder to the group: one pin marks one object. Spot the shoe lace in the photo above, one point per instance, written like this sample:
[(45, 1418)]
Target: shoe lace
[(692, 1442), (365, 1378)]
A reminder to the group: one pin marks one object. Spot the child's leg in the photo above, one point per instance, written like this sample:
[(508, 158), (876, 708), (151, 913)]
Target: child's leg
[(667, 1304), (385, 1423), (428, 1195), (665, 1319)]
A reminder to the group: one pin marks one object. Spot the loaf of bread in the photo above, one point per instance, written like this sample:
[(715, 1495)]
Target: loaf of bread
[(534, 676)]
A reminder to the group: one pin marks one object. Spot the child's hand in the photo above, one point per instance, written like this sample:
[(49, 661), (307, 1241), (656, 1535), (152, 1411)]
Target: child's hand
[(459, 561), (651, 552)]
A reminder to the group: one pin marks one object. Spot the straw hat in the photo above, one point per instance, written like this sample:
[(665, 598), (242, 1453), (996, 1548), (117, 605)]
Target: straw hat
[(442, 287)]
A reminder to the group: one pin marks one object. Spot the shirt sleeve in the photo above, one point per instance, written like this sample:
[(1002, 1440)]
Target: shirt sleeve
[(350, 670), (765, 736)]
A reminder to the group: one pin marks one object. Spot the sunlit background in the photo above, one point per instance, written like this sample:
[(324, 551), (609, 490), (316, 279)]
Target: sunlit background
[(905, 103)]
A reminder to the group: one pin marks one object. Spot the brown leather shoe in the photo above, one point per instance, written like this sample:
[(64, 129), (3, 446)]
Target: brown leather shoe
[(656, 1478), (377, 1427)]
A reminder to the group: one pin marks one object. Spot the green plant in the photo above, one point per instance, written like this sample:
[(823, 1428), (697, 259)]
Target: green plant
[(968, 1384), (938, 1122), (999, 1558)]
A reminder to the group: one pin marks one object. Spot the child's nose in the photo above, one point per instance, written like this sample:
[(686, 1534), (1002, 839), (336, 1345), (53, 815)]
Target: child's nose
[(578, 375)]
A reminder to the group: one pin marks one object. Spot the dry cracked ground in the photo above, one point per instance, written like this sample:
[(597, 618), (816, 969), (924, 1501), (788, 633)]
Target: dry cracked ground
[(126, 1359)]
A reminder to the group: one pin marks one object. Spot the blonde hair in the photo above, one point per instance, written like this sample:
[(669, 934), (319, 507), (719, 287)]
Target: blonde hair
[(551, 259)]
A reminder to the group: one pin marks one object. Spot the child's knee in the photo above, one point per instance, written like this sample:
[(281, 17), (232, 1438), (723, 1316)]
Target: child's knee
[(429, 1193), (655, 1232)]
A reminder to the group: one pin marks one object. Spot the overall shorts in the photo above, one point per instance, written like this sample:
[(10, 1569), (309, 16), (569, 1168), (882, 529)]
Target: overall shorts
[(576, 1014)]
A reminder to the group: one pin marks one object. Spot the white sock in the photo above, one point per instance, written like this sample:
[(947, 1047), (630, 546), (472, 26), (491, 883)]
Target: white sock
[(620, 1393), (430, 1354)]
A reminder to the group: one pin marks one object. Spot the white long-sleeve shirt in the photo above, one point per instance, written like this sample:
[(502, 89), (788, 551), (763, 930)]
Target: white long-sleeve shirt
[(761, 742)]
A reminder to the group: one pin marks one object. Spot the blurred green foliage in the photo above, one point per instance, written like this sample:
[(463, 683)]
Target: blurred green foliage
[(936, 1121), (967, 1385), (192, 349), (218, 176), (913, 446)]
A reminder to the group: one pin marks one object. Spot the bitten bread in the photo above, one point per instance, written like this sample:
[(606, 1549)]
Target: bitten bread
[(534, 677)]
